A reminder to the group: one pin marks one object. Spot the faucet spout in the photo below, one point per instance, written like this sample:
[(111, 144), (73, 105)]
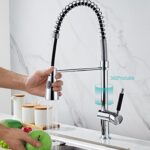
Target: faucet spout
[(66, 10)]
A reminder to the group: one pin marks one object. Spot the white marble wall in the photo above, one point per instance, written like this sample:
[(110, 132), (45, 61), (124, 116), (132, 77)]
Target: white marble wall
[(5, 94), (127, 28)]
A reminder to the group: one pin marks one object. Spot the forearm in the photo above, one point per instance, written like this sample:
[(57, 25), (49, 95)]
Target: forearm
[(12, 80)]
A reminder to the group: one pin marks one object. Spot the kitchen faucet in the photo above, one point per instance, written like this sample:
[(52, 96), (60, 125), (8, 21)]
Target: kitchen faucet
[(104, 114)]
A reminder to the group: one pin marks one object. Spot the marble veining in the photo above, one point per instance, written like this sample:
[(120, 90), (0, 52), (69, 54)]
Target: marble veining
[(79, 46), (15, 49)]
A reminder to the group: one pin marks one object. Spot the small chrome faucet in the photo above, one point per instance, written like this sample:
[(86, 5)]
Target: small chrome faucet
[(105, 115)]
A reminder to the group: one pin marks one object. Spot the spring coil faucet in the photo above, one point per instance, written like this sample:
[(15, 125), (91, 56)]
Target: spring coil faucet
[(50, 95)]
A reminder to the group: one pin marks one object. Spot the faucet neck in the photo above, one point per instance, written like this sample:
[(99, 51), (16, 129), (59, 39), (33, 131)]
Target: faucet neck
[(66, 10)]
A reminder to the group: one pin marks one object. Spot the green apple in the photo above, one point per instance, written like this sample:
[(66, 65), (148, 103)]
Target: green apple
[(11, 123), (43, 138)]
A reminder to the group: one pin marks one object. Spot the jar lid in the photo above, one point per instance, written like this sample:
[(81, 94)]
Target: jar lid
[(40, 107), (28, 105), (19, 95)]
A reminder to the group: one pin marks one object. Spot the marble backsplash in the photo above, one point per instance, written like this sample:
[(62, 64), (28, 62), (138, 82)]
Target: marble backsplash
[(127, 26)]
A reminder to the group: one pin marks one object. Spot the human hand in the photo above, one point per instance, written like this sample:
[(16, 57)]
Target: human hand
[(16, 139), (36, 83)]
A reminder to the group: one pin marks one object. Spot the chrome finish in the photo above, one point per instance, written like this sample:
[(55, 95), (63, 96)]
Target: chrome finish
[(110, 117), (49, 91), (104, 60), (106, 64), (104, 48), (80, 69), (104, 96), (56, 96)]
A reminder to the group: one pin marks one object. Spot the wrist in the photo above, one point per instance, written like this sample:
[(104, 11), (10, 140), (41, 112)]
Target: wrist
[(24, 83), (27, 84)]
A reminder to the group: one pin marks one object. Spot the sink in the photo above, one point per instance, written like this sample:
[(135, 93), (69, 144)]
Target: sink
[(66, 147)]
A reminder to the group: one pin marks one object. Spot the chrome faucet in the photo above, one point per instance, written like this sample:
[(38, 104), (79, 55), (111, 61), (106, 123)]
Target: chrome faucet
[(105, 115)]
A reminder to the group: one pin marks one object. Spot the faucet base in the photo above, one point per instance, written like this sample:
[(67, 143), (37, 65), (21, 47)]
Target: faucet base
[(105, 130), (103, 137)]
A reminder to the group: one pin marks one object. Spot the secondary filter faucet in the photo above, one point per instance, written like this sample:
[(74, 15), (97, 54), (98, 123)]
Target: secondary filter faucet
[(104, 64)]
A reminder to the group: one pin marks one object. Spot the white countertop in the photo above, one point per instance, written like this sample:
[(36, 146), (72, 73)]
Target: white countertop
[(90, 139)]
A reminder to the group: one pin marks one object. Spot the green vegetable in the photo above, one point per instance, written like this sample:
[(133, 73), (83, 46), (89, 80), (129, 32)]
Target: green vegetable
[(11, 123), (3, 144)]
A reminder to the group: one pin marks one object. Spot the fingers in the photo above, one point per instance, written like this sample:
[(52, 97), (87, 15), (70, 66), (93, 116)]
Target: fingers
[(31, 141), (57, 89), (46, 72), (58, 75), (58, 83), (19, 147), (57, 86)]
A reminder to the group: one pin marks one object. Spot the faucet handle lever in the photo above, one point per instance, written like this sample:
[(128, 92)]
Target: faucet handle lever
[(120, 100)]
